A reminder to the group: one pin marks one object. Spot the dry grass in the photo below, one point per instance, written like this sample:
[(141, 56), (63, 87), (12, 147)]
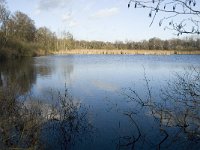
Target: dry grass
[(116, 52)]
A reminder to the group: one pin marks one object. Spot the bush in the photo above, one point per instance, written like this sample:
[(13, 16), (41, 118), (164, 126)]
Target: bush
[(15, 48)]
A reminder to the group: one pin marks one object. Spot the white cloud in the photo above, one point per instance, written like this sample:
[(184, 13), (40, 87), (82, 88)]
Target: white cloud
[(67, 17), (88, 6), (106, 12), (51, 4), (69, 20), (73, 23)]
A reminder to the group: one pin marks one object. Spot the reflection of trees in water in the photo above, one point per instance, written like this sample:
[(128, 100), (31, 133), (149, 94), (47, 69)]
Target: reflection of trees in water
[(26, 122), (33, 124), (18, 73), (44, 66), (1, 80), (43, 70), (175, 120), (66, 67)]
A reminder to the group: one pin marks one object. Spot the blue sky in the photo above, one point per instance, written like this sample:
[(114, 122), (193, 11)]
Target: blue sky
[(105, 20)]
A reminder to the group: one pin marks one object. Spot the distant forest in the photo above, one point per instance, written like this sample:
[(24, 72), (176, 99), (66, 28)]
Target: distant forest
[(20, 37)]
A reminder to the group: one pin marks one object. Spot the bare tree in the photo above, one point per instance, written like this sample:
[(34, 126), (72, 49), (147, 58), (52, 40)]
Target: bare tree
[(177, 109), (29, 123), (182, 16), (21, 26), (4, 13)]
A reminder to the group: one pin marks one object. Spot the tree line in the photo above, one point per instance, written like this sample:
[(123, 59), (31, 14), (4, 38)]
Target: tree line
[(20, 37), (151, 44)]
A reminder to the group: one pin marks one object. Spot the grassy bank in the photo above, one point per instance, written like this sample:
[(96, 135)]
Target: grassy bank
[(116, 52)]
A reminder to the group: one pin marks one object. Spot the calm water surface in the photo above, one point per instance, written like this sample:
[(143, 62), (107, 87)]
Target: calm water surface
[(99, 82)]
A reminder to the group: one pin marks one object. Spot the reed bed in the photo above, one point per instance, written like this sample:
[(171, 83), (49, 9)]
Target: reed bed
[(134, 52)]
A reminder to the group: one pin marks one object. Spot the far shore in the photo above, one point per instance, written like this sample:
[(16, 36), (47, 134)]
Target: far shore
[(117, 52)]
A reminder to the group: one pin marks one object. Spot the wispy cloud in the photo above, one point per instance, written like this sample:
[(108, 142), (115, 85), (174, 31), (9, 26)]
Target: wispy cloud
[(88, 6), (51, 4), (105, 12), (69, 19), (73, 23)]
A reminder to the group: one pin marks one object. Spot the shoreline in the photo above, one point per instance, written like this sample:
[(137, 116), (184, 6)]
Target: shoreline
[(124, 52)]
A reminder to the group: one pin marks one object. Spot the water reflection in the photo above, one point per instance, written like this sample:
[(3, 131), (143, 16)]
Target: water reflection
[(1, 80), (53, 72), (18, 73), (173, 121), (94, 80), (32, 124), (65, 66), (105, 86), (44, 66)]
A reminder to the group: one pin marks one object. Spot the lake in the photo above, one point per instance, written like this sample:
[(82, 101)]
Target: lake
[(110, 88)]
